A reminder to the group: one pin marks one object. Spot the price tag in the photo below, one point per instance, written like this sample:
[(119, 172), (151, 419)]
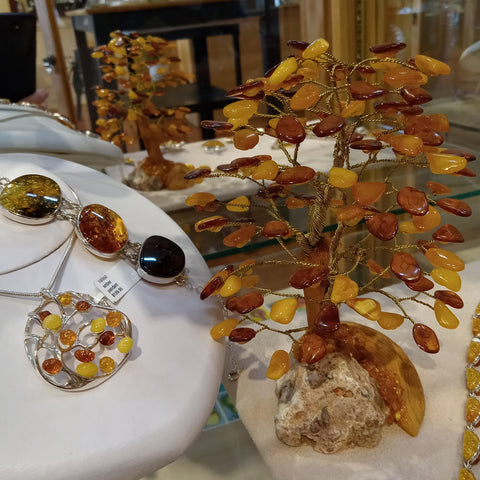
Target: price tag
[(117, 281)]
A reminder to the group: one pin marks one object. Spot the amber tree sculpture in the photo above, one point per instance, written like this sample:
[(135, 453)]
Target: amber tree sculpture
[(385, 95), (139, 69)]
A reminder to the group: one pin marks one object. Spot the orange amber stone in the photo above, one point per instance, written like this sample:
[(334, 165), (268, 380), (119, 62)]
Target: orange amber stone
[(211, 224), (290, 130), (242, 335), (449, 298), (240, 237), (353, 109), (384, 226), (407, 144), (375, 268), (449, 234), (350, 214), (295, 175), (401, 76), (329, 126), (305, 97), (405, 267), (114, 318), (454, 206), (312, 348), (415, 95), (438, 188), (52, 366), (293, 203), (245, 139), (431, 66), (275, 228), (308, 276), (365, 91), (428, 221), (279, 365), (84, 356), (200, 198), (365, 193), (425, 338), (390, 321), (413, 201), (67, 337), (441, 163), (327, 319), (246, 303), (421, 285), (441, 258)]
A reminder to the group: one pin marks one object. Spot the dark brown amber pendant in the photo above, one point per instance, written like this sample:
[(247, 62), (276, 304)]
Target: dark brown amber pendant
[(161, 260), (101, 230), (31, 199)]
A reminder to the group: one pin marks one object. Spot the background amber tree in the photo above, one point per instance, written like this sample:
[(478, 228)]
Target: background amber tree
[(139, 69)]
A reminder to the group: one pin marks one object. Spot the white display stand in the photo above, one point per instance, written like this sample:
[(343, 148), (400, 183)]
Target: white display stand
[(146, 415)]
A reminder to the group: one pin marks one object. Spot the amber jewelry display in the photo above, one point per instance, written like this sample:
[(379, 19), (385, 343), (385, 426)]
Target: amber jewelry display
[(36, 199), (471, 442), (73, 341)]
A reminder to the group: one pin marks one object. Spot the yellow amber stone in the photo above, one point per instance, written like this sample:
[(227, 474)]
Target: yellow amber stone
[(353, 109), (267, 170), (431, 66), (98, 325), (97, 54), (65, 299), (273, 122), (315, 49), (470, 445), (52, 322), (443, 163), (477, 310), (240, 109), (231, 286), (389, 320), (342, 177), (283, 311), (473, 352), (250, 281), (238, 122), (87, 369), (114, 318), (441, 258), (475, 326), (125, 345), (107, 364), (472, 410), (223, 328), (120, 70), (429, 221), (444, 316), (366, 307), (131, 115), (305, 97), (465, 474), (279, 365), (343, 289), (239, 204), (447, 278), (286, 68), (200, 198), (409, 227), (473, 379)]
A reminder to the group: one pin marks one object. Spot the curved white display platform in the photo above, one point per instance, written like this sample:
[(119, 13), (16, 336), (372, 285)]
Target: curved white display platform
[(146, 415)]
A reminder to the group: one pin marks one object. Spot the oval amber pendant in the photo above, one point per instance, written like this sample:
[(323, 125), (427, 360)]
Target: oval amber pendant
[(101, 230), (160, 260), (31, 199)]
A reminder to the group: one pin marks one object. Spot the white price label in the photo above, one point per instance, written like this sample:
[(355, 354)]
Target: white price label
[(117, 281)]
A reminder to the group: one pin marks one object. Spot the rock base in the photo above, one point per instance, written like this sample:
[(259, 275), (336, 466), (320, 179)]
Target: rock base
[(333, 404)]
